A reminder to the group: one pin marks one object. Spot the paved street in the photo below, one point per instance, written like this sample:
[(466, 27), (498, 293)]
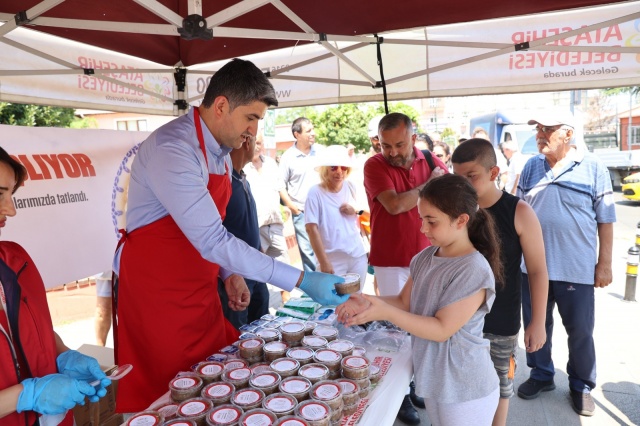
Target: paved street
[(617, 343)]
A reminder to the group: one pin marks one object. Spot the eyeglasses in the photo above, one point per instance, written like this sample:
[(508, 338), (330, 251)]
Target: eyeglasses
[(335, 168), (545, 129)]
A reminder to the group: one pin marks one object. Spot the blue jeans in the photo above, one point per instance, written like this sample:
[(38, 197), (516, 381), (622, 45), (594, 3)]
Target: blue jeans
[(576, 305), (304, 245)]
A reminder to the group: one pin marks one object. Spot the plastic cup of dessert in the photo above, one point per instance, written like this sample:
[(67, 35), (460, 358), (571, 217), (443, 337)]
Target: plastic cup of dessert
[(350, 285)]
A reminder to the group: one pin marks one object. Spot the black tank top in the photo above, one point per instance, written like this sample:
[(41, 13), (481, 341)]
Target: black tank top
[(504, 318)]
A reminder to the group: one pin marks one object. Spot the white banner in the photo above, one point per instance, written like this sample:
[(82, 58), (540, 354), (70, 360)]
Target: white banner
[(72, 202)]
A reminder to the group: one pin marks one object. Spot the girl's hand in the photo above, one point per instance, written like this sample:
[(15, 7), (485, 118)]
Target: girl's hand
[(347, 210), (351, 307), (375, 310)]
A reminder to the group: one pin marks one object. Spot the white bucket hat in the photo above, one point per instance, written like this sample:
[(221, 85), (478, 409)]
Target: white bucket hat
[(372, 129), (334, 155)]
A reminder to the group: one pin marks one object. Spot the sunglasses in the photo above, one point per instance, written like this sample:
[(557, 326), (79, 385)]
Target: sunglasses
[(545, 129), (344, 168)]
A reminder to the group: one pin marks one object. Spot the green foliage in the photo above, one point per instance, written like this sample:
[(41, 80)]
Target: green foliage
[(635, 90), (35, 115), (342, 125), (407, 110), (287, 115), (449, 136)]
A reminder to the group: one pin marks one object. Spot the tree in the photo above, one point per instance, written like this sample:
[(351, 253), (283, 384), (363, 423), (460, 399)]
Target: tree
[(35, 115), (342, 125), (287, 115), (635, 90), (407, 110)]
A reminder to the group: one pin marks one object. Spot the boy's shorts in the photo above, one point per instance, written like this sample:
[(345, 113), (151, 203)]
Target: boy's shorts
[(503, 355)]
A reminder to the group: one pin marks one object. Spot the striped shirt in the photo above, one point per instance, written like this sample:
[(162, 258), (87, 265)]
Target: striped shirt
[(569, 206)]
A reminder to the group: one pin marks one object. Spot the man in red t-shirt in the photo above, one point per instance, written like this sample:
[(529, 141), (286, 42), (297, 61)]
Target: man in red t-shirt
[(392, 179)]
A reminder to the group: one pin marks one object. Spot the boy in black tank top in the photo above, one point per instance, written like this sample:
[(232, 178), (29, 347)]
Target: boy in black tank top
[(520, 234)]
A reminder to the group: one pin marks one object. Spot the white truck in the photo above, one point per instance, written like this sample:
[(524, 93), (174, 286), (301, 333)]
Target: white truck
[(502, 126)]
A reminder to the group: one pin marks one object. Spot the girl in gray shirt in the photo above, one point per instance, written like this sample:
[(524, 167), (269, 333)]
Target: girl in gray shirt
[(443, 304)]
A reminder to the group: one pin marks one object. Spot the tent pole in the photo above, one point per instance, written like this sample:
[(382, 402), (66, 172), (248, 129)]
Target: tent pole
[(381, 83), (180, 77)]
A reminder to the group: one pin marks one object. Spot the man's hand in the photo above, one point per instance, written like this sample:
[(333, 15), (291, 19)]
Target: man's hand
[(603, 275), (237, 292), (321, 288), (535, 336), (436, 172)]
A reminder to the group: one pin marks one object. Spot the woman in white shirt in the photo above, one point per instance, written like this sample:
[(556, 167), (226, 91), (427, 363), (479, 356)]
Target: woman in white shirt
[(331, 217)]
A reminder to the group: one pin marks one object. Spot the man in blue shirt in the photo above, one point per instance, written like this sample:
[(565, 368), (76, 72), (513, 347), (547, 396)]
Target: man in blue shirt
[(570, 191), (242, 222), (175, 246)]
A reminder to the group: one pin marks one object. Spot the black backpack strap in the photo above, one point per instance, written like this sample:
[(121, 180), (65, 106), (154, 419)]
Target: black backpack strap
[(429, 158)]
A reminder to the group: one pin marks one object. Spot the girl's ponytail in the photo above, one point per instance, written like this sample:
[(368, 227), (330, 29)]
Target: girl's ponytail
[(484, 237)]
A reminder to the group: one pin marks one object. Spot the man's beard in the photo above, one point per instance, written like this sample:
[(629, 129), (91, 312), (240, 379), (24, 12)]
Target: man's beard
[(397, 161)]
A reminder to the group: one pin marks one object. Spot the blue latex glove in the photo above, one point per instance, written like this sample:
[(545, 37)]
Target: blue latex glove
[(52, 394), (81, 367), (320, 287)]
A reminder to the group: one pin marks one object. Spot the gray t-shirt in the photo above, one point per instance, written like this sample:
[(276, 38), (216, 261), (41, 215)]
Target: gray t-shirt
[(459, 369)]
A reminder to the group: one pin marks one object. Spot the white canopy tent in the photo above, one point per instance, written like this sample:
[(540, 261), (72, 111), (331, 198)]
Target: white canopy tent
[(591, 47)]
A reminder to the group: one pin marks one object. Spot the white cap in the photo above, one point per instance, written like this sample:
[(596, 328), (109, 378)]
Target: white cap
[(334, 155), (373, 126), (553, 118)]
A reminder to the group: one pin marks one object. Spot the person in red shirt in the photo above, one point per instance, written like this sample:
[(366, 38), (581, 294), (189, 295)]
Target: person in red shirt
[(393, 179)]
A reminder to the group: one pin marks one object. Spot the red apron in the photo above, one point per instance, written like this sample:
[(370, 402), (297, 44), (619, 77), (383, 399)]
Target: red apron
[(169, 314)]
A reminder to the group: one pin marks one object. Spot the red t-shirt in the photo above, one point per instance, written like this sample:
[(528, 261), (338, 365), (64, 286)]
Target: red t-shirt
[(395, 239)]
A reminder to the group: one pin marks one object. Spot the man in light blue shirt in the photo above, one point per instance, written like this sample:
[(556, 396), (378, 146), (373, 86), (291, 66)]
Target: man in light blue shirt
[(175, 246), (570, 191), (298, 172)]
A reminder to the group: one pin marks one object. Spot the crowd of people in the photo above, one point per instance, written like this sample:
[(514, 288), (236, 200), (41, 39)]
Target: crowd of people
[(460, 241)]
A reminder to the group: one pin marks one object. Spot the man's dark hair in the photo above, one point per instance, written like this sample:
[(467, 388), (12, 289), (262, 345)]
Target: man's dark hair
[(477, 149), (18, 169), (241, 82), (296, 126), (394, 120)]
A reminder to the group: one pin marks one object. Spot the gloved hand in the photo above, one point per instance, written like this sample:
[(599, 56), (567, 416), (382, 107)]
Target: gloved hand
[(81, 367), (320, 287), (52, 394)]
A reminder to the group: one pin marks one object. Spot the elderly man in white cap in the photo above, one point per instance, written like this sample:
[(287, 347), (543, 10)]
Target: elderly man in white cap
[(570, 191)]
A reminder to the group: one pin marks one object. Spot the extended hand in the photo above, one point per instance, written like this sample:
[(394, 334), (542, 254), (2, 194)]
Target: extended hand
[(52, 394), (321, 288), (82, 367), (352, 307), (374, 310), (237, 292)]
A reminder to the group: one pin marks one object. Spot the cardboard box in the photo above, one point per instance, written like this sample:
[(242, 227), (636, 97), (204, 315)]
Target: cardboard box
[(102, 412)]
